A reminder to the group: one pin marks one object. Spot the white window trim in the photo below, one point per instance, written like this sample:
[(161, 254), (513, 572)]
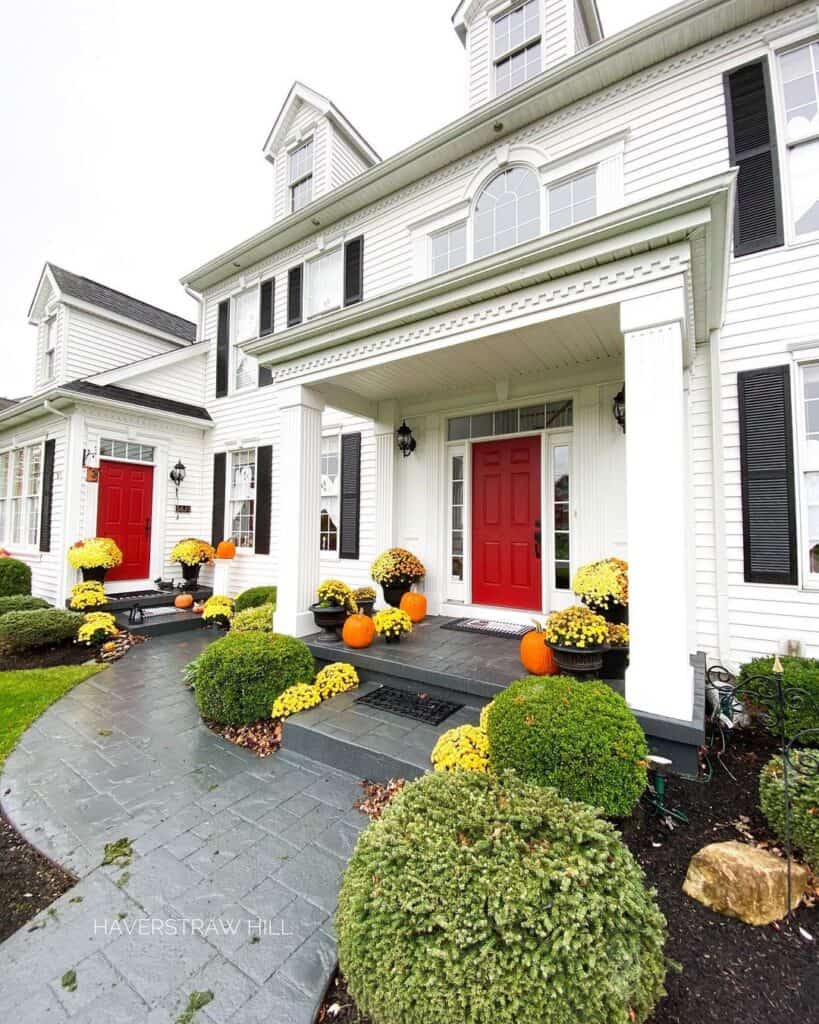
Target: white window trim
[(495, 14), (463, 222), (334, 556), (337, 246), (227, 527), (807, 357), (776, 49), (7, 542), (127, 440), (253, 285), (50, 325), (308, 138)]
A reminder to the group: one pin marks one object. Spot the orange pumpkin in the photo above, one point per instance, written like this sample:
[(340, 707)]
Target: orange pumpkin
[(183, 601), (358, 631), (415, 605), (226, 549), (537, 658)]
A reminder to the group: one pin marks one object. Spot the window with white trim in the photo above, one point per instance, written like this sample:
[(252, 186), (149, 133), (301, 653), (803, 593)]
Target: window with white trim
[(329, 492), (448, 248), (129, 451), (300, 175), (324, 282), (517, 46), (573, 201), (809, 464), (49, 348), (242, 497), (21, 481), (456, 516), (799, 79), (245, 328), (507, 211)]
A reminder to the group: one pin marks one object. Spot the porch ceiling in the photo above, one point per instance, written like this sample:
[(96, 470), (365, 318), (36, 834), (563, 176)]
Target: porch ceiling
[(585, 340)]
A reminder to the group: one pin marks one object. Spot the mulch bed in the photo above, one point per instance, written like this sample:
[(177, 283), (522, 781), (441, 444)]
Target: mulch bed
[(46, 657), (29, 882), (732, 973)]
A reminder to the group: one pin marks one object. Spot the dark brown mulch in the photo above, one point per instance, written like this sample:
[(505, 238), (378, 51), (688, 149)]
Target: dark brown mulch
[(732, 973), (46, 657), (263, 737), (29, 882)]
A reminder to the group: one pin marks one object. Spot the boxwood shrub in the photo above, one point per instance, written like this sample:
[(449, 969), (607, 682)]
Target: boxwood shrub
[(258, 619), (21, 603), (803, 787), (15, 577), (799, 672), (256, 596), (580, 737), (494, 901), (237, 678), (41, 627)]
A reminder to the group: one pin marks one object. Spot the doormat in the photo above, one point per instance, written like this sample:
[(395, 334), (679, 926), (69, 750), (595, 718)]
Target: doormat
[(488, 627), (129, 595), (165, 609), (410, 705)]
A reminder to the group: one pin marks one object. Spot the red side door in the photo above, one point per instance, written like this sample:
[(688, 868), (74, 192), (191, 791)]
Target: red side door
[(506, 523), (124, 508)]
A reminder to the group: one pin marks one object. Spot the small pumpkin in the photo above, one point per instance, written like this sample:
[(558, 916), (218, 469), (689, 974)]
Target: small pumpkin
[(415, 605), (358, 631), (183, 601), (537, 658), (226, 549), (198, 607)]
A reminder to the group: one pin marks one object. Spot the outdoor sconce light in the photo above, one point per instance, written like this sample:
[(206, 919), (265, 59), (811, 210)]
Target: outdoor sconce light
[(619, 408), (406, 442), (177, 476)]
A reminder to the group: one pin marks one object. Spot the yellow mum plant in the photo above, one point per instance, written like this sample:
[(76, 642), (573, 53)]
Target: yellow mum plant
[(392, 622), (331, 680), (336, 678), (96, 627), (577, 627), (295, 698), (397, 566), (88, 594), (601, 584), (363, 594), (465, 748), (218, 609), (191, 551), (334, 593), (94, 553), (618, 635)]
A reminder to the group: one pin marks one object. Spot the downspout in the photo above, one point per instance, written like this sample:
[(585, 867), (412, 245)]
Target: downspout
[(198, 298), (48, 407), (718, 476)]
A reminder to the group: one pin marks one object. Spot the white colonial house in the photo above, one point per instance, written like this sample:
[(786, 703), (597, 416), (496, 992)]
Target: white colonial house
[(637, 214)]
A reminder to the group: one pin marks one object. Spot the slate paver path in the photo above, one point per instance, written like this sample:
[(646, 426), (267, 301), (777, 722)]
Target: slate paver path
[(235, 870)]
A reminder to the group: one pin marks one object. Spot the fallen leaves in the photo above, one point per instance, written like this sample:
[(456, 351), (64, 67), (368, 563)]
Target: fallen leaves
[(377, 796), (263, 737)]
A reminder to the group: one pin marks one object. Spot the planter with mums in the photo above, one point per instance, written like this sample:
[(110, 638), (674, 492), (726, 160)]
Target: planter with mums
[(578, 639), (603, 587), (396, 570)]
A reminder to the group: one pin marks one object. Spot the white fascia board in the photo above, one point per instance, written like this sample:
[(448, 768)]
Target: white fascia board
[(33, 407), (149, 364), (46, 277), (136, 325)]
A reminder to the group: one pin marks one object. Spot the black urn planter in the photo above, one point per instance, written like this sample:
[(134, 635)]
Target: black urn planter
[(366, 607), (394, 593), (190, 574), (96, 573), (615, 663), (330, 618), (391, 639), (579, 661), (616, 614)]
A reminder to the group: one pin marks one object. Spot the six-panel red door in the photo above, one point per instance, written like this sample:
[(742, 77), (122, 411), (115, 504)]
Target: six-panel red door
[(506, 527), (124, 509)]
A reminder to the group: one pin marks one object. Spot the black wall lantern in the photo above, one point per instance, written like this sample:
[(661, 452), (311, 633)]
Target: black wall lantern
[(177, 476), (406, 442), (618, 408)]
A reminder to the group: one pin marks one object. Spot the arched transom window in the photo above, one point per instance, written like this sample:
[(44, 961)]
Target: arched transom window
[(507, 212)]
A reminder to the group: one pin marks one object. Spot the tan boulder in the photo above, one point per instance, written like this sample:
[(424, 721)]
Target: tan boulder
[(744, 882)]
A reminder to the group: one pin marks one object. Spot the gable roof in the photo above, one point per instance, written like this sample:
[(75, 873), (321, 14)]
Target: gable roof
[(300, 94), (467, 9), (100, 295), (114, 393)]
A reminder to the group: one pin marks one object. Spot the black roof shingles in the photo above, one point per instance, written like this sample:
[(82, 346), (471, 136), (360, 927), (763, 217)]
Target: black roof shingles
[(101, 295), (115, 393)]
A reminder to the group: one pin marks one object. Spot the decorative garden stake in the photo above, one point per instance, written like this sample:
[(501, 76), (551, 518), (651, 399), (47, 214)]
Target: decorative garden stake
[(659, 765)]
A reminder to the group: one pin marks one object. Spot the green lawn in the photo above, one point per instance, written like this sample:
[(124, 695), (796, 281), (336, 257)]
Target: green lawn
[(25, 695)]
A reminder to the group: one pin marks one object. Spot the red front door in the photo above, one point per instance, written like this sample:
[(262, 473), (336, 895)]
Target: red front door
[(506, 526), (124, 513)]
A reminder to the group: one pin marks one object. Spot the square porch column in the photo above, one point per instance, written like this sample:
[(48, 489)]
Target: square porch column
[(384, 429), (300, 412), (660, 678)]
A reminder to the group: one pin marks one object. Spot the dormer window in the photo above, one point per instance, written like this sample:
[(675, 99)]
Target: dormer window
[(517, 46), (50, 347), (300, 175)]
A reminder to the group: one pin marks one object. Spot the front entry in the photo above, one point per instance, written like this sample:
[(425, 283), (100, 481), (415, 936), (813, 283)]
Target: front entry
[(506, 524), (124, 509)]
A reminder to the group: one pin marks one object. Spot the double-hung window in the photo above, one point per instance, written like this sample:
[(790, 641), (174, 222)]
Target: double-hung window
[(242, 497), (300, 175), (573, 201), (809, 459), (329, 497), (21, 481), (325, 282), (245, 328), (49, 349), (448, 248), (517, 46), (799, 78)]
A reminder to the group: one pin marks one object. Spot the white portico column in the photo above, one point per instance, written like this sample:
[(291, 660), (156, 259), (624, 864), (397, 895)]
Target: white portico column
[(384, 429), (300, 412), (659, 679)]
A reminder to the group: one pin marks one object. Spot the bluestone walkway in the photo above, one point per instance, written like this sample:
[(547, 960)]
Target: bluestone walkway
[(235, 871)]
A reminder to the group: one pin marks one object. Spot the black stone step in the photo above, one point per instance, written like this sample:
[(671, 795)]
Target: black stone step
[(159, 625), (148, 599)]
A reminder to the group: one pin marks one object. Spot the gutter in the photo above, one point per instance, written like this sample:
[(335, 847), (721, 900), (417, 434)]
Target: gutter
[(199, 299)]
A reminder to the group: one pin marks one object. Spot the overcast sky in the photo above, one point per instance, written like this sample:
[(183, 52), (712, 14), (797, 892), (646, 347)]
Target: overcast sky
[(131, 132)]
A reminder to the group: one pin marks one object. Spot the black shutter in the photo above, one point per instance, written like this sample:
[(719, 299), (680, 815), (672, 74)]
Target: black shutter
[(353, 271), (766, 466), (223, 349), (264, 498), (217, 531), (47, 500), (294, 295), (350, 495), (267, 296), (752, 146)]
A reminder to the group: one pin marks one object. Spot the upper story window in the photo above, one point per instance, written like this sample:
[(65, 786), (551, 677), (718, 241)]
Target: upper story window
[(330, 470), (799, 77), (573, 201), (245, 328), (242, 497), (517, 46), (507, 212), (50, 347), (325, 282), (448, 248), (300, 175), (21, 471)]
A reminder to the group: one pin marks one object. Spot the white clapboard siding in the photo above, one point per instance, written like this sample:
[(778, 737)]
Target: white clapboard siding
[(345, 162), (311, 122), (94, 344), (183, 381)]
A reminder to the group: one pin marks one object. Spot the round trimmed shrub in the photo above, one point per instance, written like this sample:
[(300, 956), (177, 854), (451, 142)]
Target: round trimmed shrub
[(22, 603), (800, 672), (256, 596), (258, 619), (15, 577), (494, 901), (237, 678), (41, 627), (803, 787), (580, 737)]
